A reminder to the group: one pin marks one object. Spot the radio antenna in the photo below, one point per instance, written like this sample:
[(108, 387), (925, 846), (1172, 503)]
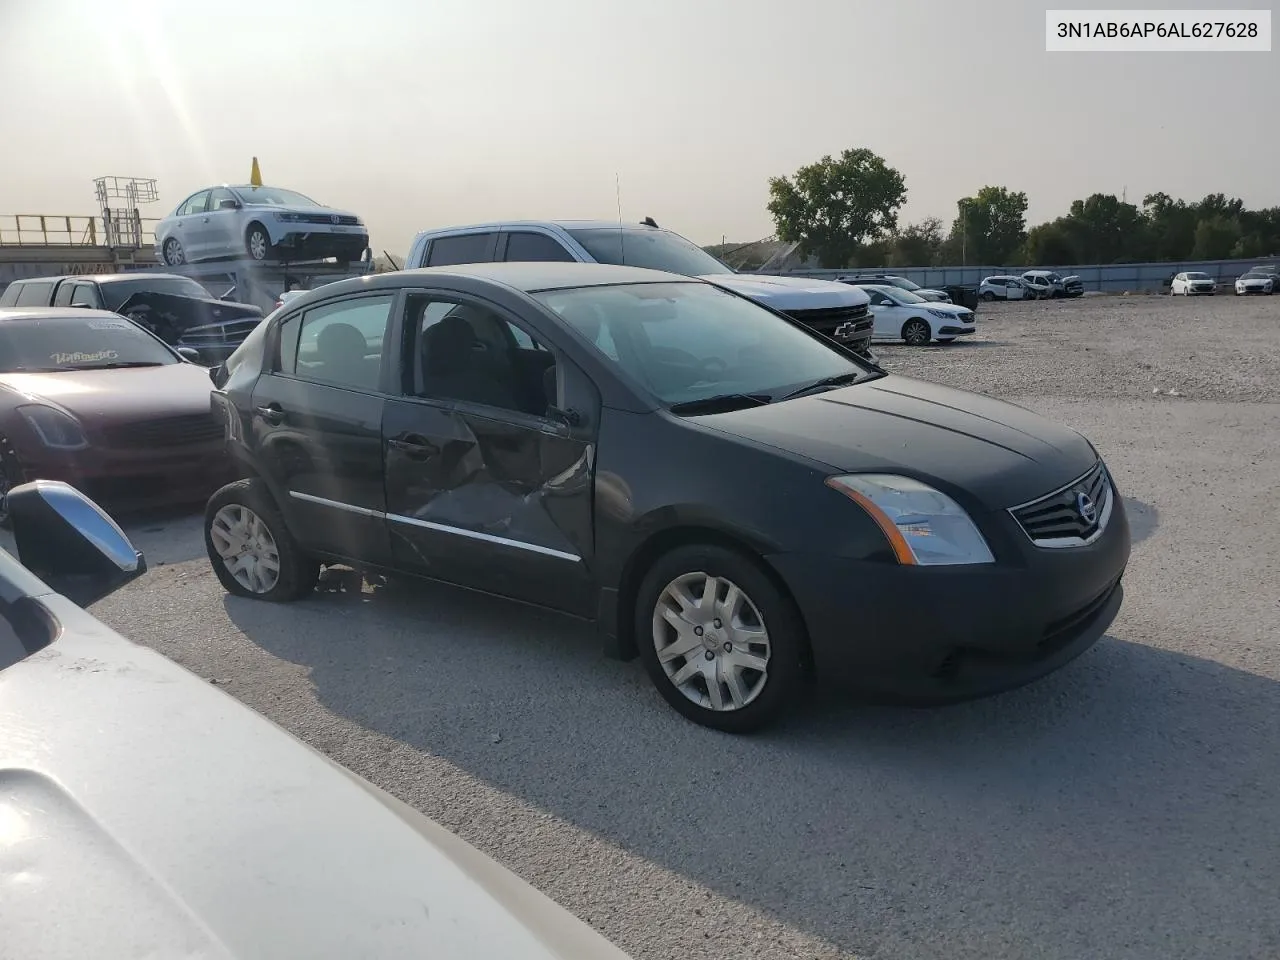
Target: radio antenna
[(622, 236)]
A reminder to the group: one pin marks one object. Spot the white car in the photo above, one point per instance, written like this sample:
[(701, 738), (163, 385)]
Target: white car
[(1059, 286), (892, 280), (1258, 280), (1192, 284), (834, 309), (261, 223), (902, 315), (146, 813), (1005, 288)]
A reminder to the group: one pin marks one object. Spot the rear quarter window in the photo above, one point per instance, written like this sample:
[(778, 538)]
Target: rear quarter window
[(34, 294), (9, 296)]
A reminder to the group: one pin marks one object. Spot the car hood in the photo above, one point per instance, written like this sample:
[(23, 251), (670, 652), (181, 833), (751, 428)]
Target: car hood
[(1255, 279), (996, 452), (102, 397), (146, 813), (791, 293), (955, 309), (306, 211)]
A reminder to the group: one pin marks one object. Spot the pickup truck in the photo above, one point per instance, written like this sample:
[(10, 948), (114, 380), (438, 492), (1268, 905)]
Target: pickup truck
[(176, 309), (835, 310)]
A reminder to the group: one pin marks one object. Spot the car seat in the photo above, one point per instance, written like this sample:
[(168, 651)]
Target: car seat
[(452, 370), (343, 354)]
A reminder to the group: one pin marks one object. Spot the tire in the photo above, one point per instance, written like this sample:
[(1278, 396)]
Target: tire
[(11, 475), (257, 243), (987, 295), (248, 501), (174, 255), (763, 612), (917, 332)]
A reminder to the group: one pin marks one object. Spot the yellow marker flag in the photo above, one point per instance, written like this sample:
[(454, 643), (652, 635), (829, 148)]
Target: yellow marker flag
[(255, 175)]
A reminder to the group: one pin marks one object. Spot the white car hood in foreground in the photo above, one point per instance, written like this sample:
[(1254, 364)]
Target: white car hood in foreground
[(791, 293), (146, 814)]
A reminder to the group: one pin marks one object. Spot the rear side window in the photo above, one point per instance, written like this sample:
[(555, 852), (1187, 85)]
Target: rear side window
[(34, 294), (63, 296), (9, 296), (526, 246), (342, 343), (464, 248)]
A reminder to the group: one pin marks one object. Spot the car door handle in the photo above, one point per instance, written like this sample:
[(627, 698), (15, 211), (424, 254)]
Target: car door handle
[(273, 413), (413, 445)]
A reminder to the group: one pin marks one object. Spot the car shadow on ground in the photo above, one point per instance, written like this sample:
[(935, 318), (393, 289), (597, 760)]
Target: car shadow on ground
[(1132, 790)]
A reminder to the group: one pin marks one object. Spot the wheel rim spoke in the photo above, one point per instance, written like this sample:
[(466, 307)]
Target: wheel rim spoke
[(711, 641), (246, 547)]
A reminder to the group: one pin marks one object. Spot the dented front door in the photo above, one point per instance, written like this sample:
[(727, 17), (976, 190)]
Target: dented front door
[(497, 503)]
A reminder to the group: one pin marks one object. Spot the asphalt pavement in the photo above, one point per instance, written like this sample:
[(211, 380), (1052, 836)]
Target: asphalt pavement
[(1124, 807)]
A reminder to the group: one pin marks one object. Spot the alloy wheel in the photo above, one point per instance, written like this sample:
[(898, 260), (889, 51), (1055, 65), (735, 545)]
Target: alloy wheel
[(257, 244), (711, 641), (916, 333), (173, 254), (247, 548)]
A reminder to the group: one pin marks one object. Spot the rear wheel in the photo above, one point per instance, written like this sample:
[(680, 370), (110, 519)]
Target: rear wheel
[(721, 642), (916, 332), (174, 255), (250, 547), (987, 295)]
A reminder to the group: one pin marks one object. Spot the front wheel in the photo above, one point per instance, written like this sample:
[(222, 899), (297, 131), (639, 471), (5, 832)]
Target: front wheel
[(174, 255), (258, 242), (250, 547), (916, 333), (987, 295), (723, 645)]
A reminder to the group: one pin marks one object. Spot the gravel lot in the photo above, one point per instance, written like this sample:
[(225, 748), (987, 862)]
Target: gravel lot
[(1122, 808)]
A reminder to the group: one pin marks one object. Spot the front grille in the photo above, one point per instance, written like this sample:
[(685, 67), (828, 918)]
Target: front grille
[(1063, 518), (233, 331), (828, 319), (346, 221), (165, 432)]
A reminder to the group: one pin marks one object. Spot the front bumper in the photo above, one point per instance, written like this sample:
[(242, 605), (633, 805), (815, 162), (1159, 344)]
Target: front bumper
[(1250, 289), (939, 634), (319, 245), (130, 479), (950, 331), (1202, 291)]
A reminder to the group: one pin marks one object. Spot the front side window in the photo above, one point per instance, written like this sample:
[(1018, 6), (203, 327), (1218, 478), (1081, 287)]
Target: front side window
[(84, 295), (689, 341), (525, 246), (649, 248), (462, 248), (339, 343), (469, 353), (217, 196), (77, 343)]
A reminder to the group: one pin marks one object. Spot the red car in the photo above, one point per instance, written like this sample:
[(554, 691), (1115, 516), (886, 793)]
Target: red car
[(89, 397)]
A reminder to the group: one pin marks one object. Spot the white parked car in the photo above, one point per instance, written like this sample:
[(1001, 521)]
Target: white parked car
[(261, 223), (1258, 280), (1192, 284), (902, 315), (892, 280), (833, 309), (1005, 288), (146, 813)]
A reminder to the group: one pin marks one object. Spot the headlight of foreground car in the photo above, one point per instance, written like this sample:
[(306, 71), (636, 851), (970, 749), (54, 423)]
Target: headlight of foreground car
[(924, 526), (943, 314), (288, 217), (54, 428)]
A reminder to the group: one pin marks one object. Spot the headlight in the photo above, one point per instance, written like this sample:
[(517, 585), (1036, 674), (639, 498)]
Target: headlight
[(54, 428), (289, 217), (924, 526), (943, 314)]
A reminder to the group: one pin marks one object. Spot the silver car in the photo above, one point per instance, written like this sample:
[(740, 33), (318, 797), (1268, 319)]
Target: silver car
[(262, 223)]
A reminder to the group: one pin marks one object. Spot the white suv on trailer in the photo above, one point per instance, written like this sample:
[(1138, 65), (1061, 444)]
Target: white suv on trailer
[(836, 310)]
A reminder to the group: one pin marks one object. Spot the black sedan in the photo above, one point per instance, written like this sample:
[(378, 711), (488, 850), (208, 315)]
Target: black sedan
[(736, 499)]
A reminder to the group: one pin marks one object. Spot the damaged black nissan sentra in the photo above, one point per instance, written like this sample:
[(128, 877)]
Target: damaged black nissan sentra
[(734, 498)]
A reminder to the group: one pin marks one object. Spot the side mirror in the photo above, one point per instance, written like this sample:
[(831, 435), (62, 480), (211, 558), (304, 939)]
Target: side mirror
[(215, 373), (71, 543), (229, 205), (190, 354)]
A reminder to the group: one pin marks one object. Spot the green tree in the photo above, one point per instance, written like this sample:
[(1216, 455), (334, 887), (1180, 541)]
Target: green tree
[(1216, 238), (834, 206), (1171, 226), (992, 225), (1052, 244), (1107, 229), (916, 245)]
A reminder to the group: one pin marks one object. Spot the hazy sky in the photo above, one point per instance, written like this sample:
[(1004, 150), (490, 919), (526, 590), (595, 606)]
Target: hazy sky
[(433, 112)]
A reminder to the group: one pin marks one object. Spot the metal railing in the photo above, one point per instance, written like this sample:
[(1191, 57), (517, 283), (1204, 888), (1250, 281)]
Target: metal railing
[(43, 230)]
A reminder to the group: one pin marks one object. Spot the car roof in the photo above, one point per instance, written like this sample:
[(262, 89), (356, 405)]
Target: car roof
[(105, 277), (54, 313), (528, 277), (562, 224)]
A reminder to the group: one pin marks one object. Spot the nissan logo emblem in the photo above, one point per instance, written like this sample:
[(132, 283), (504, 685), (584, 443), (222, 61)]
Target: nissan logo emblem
[(1086, 507)]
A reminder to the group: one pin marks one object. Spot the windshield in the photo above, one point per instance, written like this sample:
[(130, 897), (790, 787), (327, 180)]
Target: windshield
[(649, 248), (1256, 275), (273, 197), (902, 283), (76, 343), (689, 341), (1197, 276), (116, 292), (903, 295)]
